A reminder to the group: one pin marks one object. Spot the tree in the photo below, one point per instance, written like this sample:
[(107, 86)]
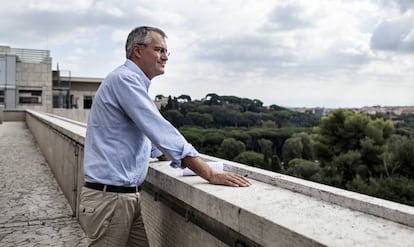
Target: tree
[(194, 138), (184, 98), (212, 141), (238, 134), (266, 149), (340, 131), (269, 124), (276, 108), (250, 158), (159, 97), (292, 149), (200, 119), (251, 118), (398, 189), (347, 166), (233, 118), (398, 157), (275, 165), (307, 151), (350, 144), (230, 148), (305, 169), (174, 116), (172, 103), (213, 99)]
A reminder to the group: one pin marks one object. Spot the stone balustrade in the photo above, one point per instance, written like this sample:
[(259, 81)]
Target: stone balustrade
[(277, 210)]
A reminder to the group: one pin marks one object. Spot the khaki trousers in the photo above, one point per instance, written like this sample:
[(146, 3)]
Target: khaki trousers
[(112, 219)]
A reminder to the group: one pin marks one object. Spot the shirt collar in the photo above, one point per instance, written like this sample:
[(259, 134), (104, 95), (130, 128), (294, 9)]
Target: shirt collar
[(132, 66)]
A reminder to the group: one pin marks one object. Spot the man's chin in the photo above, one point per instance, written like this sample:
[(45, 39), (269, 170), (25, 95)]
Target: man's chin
[(159, 73)]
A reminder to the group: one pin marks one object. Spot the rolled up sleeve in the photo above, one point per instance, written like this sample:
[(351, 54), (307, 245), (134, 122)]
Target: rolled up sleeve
[(188, 150)]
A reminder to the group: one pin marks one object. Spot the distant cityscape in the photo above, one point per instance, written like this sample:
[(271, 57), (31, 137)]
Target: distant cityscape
[(371, 110), (161, 100)]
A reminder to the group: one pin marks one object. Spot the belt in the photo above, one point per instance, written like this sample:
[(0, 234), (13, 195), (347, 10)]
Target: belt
[(113, 188)]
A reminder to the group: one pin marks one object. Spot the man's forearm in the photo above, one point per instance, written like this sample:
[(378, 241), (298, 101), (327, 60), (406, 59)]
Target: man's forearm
[(199, 166)]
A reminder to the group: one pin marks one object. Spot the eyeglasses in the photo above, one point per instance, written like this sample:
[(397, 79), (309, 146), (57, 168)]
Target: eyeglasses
[(160, 50)]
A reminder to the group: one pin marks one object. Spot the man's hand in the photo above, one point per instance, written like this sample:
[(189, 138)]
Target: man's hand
[(230, 179), (200, 167)]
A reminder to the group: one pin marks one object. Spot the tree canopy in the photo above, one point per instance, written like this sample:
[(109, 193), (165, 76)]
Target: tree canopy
[(354, 151)]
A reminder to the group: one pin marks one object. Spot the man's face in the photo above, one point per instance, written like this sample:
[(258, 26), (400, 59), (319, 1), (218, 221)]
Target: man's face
[(153, 56)]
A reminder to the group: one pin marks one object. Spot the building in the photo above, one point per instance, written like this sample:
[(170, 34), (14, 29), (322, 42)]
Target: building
[(27, 81), (160, 101), (73, 92)]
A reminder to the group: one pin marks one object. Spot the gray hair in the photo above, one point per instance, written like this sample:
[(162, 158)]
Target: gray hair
[(140, 35)]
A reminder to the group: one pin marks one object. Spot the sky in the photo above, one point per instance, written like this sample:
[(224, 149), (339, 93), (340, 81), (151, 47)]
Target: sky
[(319, 53)]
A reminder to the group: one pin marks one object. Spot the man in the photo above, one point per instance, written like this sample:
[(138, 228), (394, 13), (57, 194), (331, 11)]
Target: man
[(124, 129)]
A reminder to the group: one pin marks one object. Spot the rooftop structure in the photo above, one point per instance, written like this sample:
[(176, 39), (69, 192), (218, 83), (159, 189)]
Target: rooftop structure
[(27, 81)]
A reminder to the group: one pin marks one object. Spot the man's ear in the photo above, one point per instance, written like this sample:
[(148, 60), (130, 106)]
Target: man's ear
[(136, 51)]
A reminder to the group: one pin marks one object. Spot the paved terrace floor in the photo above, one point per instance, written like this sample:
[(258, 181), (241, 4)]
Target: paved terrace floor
[(33, 210)]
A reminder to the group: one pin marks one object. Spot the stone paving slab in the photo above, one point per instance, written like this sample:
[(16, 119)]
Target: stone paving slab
[(33, 209)]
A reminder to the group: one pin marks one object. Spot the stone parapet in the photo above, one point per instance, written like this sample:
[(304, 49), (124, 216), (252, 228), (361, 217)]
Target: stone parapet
[(277, 210)]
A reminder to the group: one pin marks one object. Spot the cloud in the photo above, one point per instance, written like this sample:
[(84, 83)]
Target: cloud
[(295, 52), (57, 19), (395, 35), (288, 17), (258, 50), (402, 5), (285, 42)]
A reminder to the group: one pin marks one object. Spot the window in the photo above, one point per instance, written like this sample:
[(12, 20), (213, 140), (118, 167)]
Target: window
[(60, 101), (30, 96), (1, 97), (56, 101), (87, 101)]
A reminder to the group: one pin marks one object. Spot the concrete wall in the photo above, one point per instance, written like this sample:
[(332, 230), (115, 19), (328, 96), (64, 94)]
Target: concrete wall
[(80, 115), (14, 115), (35, 75), (63, 154), (277, 210), (8, 79)]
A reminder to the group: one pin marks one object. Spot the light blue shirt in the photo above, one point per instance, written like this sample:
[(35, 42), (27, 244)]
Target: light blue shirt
[(122, 124)]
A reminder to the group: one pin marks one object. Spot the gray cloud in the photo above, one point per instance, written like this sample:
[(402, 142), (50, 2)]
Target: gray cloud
[(242, 47), (288, 17), (394, 35), (403, 5), (37, 23), (335, 61), (268, 54), (244, 53)]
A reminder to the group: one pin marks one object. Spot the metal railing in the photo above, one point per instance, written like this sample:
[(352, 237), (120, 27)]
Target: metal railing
[(28, 55)]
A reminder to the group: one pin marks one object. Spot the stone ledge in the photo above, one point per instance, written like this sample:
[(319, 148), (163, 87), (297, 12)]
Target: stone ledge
[(70, 128), (278, 209), (389, 210), (269, 214)]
